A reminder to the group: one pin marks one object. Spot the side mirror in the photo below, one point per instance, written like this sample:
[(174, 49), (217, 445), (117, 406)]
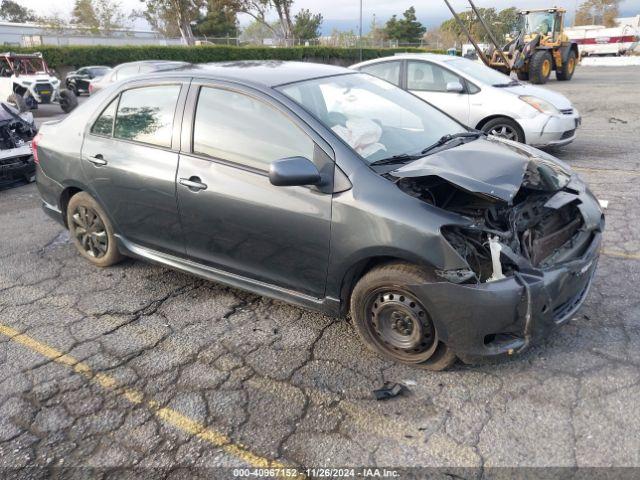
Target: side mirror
[(294, 171), (455, 87)]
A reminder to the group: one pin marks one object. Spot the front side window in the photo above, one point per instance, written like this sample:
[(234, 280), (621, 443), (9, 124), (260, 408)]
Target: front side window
[(480, 72), (146, 114), (104, 124), (389, 71), (427, 76), (236, 127), (376, 119)]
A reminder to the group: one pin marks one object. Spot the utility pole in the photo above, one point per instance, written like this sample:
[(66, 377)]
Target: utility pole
[(360, 31)]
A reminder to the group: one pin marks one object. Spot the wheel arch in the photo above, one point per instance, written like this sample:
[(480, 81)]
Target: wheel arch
[(358, 269), (65, 197), (486, 120)]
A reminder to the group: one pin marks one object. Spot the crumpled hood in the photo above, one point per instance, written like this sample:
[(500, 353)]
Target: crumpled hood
[(554, 98), (493, 167)]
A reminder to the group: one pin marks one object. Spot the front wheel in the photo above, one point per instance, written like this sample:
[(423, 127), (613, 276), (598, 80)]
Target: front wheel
[(540, 67), (504, 128), (392, 321), (68, 100), (91, 231)]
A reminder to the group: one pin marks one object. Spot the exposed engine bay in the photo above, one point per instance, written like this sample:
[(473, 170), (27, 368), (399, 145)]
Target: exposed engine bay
[(533, 226), (16, 132)]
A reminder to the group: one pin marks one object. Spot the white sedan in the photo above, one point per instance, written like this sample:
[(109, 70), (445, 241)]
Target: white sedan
[(481, 97)]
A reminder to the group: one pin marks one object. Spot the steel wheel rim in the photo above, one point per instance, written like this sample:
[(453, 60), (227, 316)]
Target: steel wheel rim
[(504, 131), (400, 325), (89, 230), (546, 68), (572, 65)]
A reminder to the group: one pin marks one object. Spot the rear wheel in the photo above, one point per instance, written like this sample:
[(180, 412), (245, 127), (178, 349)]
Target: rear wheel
[(91, 231), (504, 127), (540, 67), (391, 320), (568, 67), (18, 101)]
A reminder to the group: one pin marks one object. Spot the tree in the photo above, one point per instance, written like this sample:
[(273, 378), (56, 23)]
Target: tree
[(405, 30), (598, 12), (174, 15), (220, 20), (11, 11), (98, 15), (306, 25), (257, 32), (259, 10), (500, 23)]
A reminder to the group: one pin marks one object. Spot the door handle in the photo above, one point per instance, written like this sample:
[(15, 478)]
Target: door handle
[(193, 183), (97, 159)]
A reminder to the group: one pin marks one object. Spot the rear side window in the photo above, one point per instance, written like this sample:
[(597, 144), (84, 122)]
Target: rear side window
[(104, 124), (146, 114), (389, 71), (236, 127)]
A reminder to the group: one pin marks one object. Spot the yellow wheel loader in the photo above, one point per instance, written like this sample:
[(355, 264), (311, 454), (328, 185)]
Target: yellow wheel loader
[(540, 46)]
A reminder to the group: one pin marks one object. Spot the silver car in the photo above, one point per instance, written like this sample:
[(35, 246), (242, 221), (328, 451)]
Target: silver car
[(481, 97)]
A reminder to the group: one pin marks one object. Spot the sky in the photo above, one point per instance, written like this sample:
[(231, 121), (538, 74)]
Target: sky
[(343, 14)]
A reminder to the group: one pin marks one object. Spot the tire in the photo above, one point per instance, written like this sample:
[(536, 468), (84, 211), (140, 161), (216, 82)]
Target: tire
[(68, 100), (504, 127), (392, 322), (568, 68), (524, 76), (540, 67), (98, 244), (18, 101)]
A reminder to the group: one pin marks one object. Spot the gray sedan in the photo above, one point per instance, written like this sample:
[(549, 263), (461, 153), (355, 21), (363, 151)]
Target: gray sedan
[(333, 190)]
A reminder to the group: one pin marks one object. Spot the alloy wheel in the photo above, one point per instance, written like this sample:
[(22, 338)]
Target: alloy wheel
[(504, 131), (90, 231), (401, 326)]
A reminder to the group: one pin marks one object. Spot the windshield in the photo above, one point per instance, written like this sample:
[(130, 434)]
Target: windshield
[(375, 118), (539, 22), (480, 72)]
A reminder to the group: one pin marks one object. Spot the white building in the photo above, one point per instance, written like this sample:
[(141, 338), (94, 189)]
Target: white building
[(34, 35)]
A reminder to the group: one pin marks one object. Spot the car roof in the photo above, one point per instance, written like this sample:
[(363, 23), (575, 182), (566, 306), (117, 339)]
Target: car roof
[(153, 62), (436, 57), (264, 73)]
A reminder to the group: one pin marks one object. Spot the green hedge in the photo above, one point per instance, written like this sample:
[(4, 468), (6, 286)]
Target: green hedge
[(78, 56)]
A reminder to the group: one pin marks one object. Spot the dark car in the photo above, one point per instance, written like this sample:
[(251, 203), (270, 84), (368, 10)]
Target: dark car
[(333, 190), (131, 69), (78, 81)]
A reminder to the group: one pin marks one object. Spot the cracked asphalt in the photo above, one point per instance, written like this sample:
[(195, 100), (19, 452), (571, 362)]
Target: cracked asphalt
[(138, 366)]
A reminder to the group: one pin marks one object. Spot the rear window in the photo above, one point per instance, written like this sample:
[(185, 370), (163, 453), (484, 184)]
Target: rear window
[(146, 114)]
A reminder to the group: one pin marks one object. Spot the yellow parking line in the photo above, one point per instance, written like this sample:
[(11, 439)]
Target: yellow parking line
[(605, 170), (629, 256), (167, 415)]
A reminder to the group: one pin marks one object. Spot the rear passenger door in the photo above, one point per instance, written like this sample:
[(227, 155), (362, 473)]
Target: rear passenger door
[(429, 81), (130, 159), (233, 217)]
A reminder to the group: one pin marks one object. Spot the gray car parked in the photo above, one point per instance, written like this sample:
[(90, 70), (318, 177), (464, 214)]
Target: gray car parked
[(333, 190)]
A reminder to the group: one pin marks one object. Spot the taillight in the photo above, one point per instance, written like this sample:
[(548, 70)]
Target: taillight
[(34, 147)]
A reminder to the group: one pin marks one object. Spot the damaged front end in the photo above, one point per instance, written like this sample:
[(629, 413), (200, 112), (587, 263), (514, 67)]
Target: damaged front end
[(529, 232), (16, 156)]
